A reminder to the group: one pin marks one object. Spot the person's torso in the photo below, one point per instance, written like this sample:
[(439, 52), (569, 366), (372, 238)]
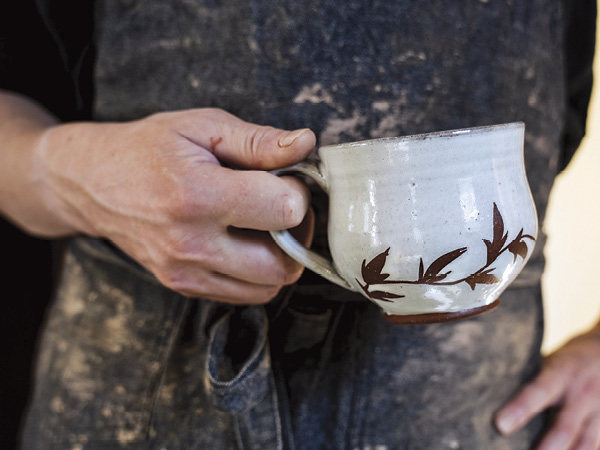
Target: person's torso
[(348, 70)]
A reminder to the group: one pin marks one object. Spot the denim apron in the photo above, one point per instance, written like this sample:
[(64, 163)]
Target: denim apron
[(126, 363)]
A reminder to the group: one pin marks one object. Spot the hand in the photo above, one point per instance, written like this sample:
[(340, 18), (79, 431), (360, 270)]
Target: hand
[(156, 188), (570, 381)]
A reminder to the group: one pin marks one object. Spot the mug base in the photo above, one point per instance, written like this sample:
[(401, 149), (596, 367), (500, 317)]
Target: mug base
[(420, 319)]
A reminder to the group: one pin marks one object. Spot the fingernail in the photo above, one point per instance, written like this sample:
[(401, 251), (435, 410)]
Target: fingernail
[(508, 421), (288, 138)]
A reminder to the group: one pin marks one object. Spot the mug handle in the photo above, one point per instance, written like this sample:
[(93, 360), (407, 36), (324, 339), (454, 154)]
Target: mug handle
[(291, 246)]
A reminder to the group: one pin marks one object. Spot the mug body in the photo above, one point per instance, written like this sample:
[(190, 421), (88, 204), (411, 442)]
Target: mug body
[(438, 223)]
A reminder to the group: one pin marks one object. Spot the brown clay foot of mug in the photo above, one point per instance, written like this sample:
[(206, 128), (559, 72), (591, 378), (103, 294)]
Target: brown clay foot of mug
[(418, 319)]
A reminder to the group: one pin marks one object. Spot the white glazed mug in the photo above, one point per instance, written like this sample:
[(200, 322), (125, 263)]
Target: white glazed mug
[(431, 227)]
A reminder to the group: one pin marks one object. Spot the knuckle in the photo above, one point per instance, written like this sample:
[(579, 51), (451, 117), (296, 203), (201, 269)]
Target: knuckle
[(180, 204), (159, 123), (182, 260), (290, 210), (285, 272), (196, 251), (216, 113), (292, 275), (183, 203), (182, 283), (269, 293), (255, 145), (174, 247), (174, 280), (252, 146)]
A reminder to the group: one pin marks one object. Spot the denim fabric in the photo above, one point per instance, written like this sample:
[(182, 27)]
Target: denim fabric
[(125, 363), (105, 348), (369, 384)]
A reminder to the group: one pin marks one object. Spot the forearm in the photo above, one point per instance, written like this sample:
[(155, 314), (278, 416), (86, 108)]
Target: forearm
[(25, 198)]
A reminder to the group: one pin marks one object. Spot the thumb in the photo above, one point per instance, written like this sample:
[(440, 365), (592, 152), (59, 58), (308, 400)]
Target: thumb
[(246, 145)]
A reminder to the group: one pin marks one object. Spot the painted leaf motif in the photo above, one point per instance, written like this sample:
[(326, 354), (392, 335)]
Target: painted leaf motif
[(495, 246), (383, 296), (484, 277), (437, 272), (518, 248), (498, 224), (432, 274), (371, 272)]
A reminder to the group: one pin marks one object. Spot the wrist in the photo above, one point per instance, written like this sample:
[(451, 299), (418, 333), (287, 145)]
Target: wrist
[(59, 171)]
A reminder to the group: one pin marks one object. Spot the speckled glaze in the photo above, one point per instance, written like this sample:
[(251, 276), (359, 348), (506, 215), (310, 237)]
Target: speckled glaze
[(430, 227)]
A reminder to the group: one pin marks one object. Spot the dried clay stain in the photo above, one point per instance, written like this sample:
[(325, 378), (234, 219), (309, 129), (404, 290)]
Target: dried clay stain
[(314, 93)]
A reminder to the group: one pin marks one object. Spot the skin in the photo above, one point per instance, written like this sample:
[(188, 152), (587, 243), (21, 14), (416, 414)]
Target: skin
[(157, 188), (162, 189), (569, 381)]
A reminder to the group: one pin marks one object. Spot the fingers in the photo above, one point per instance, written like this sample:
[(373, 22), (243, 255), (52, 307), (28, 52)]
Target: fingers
[(590, 434), (540, 394), (243, 144), (251, 269), (259, 200), (190, 212), (219, 287), (565, 431), (570, 381), (242, 267), (255, 257)]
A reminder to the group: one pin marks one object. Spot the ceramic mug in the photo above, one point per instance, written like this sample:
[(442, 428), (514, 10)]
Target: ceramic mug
[(431, 227)]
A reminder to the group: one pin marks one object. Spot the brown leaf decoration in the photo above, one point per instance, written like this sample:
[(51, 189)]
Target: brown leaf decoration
[(484, 277), (378, 295), (432, 274), (498, 226), (371, 272), (383, 295), (518, 247), (495, 247)]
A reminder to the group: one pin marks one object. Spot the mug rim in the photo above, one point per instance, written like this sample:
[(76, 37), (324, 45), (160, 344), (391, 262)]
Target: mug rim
[(435, 134)]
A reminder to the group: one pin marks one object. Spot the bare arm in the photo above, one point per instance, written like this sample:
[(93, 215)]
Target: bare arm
[(156, 188), (23, 198)]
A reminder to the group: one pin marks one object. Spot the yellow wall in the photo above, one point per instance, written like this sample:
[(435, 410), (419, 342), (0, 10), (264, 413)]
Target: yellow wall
[(572, 280)]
